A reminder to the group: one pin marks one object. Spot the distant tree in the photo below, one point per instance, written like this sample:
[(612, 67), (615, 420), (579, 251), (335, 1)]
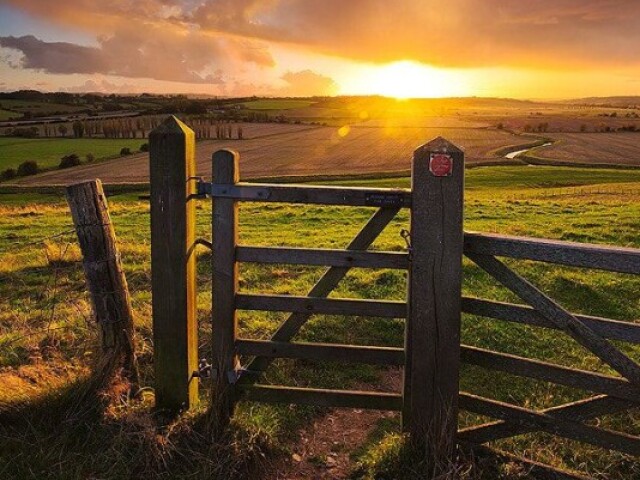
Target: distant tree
[(29, 167), (24, 132), (78, 129), (68, 161), (8, 174), (62, 129)]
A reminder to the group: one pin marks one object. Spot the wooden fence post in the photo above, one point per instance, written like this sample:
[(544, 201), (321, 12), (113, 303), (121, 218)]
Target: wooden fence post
[(224, 288), (175, 330), (105, 278), (432, 340)]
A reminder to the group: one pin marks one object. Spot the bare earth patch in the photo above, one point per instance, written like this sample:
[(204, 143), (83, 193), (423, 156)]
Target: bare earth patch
[(324, 449)]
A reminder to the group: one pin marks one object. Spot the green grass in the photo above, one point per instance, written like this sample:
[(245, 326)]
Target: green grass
[(40, 108), (48, 151), (509, 179), (7, 115), (276, 104), (47, 336)]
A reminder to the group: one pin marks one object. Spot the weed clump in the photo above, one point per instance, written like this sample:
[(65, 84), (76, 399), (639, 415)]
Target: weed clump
[(68, 161), (30, 167)]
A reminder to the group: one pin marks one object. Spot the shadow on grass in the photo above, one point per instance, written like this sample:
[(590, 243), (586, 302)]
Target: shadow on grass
[(81, 431)]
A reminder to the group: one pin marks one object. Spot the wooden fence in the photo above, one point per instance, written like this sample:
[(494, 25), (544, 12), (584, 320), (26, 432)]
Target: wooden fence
[(432, 352)]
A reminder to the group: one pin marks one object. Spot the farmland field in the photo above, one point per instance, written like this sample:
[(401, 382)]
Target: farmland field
[(48, 151), (47, 336), (276, 104), (597, 148), (297, 150)]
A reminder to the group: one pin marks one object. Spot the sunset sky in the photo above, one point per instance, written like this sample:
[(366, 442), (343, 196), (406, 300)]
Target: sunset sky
[(506, 48)]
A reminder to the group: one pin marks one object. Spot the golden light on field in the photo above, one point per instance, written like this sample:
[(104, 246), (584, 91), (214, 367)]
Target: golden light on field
[(409, 79), (344, 130)]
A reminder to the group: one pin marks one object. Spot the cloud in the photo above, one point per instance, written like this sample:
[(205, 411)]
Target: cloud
[(191, 41), (307, 83), (103, 86), (149, 52), (303, 83), (460, 33)]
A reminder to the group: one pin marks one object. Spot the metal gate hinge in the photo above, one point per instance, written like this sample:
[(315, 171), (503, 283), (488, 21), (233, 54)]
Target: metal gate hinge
[(203, 189)]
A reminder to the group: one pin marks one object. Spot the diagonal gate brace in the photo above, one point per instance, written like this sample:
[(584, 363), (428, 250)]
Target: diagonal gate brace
[(580, 332), (327, 283)]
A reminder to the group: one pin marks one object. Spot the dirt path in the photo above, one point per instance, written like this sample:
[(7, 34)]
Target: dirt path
[(323, 450)]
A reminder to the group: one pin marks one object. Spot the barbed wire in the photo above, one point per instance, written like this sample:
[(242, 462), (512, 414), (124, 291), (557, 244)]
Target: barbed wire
[(30, 243), (49, 298)]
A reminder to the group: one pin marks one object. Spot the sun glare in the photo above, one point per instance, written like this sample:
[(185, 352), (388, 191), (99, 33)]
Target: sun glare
[(408, 79)]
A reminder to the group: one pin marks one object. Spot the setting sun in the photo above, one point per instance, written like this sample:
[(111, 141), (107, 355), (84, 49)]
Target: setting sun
[(409, 79)]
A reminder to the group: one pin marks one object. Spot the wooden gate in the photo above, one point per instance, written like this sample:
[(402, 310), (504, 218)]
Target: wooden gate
[(432, 352)]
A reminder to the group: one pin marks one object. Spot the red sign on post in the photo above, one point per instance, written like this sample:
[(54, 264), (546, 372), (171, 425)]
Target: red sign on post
[(440, 164)]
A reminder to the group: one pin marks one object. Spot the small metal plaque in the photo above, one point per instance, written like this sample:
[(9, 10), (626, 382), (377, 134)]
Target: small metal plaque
[(383, 200), (440, 164)]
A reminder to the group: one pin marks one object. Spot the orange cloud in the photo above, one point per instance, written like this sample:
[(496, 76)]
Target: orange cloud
[(461, 33), (191, 41)]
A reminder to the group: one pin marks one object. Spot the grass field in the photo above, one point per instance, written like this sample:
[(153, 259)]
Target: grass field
[(47, 336), (48, 151), (7, 114), (40, 108)]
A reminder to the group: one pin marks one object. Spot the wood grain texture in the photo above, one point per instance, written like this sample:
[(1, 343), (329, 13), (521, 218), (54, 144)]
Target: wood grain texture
[(324, 257), (104, 276), (224, 287), (553, 312), (322, 352), (323, 397), (327, 306), (601, 257), (312, 194), (509, 312), (554, 425), (581, 410), (172, 167), (432, 338), (571, 377)]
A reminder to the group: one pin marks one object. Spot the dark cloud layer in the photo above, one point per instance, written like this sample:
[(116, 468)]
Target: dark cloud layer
[(151, 52)]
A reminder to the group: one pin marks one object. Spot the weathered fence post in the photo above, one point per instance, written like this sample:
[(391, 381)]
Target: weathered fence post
[(175, 332), (224, 288), (105, 278), (433, 326)]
